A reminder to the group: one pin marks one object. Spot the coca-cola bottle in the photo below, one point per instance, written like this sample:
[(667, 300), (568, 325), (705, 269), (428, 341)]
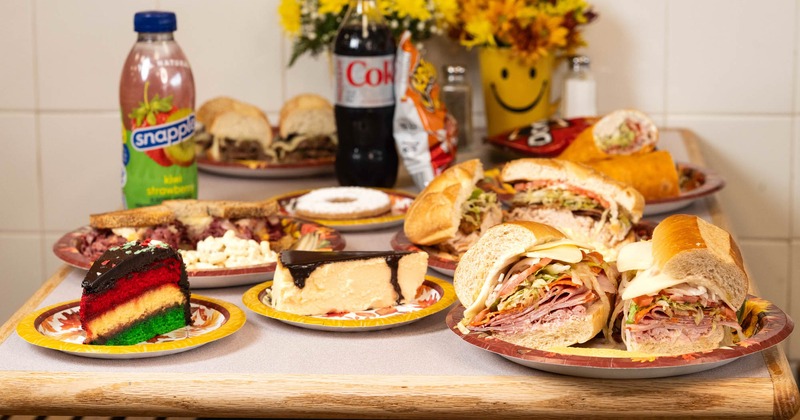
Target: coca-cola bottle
[(363, 56)]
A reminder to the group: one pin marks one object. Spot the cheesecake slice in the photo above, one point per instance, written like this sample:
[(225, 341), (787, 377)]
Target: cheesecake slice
[(317, 283)]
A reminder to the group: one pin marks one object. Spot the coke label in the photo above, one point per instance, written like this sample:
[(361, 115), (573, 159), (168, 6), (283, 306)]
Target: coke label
[(364, 82)]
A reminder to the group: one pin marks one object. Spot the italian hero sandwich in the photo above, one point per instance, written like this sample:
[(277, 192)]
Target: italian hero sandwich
[(526, 283), (586, 205), (452, 211), (689, 283)]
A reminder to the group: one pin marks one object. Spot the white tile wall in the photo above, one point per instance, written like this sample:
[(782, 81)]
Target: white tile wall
[(722, 68), (16, 47), (717, 64)]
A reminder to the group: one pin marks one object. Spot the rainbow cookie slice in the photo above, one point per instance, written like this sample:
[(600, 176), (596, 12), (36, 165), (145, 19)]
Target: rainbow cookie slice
[(133, 293)]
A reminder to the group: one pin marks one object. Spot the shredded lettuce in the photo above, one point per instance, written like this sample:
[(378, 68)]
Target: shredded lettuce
[(476, 205), (556, 197)]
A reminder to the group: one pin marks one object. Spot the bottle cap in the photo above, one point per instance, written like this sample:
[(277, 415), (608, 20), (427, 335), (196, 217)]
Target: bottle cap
[(578, 62), (455, 69), (154, 21)]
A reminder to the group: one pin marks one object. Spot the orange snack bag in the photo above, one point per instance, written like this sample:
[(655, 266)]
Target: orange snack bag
[(424, 132)]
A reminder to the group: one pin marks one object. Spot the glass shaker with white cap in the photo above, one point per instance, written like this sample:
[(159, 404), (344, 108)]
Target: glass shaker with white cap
[(579, 95)]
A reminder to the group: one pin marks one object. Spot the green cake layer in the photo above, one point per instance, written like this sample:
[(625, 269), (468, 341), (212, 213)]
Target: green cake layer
[(167, 321)]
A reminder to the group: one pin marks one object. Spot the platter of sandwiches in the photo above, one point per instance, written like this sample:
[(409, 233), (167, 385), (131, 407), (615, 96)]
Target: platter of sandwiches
[(453, 211), (238, 139), (673, 305), (224, 243), (622, 145)]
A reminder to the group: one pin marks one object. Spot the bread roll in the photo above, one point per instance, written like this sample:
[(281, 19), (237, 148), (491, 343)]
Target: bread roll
[(307, 114), (434, 216)]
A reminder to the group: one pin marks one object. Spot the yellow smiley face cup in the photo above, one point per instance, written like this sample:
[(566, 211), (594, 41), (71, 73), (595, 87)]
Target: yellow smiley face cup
[(515, 94)]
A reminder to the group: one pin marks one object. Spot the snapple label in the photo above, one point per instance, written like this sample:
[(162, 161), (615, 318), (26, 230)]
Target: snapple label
[(158, 123)]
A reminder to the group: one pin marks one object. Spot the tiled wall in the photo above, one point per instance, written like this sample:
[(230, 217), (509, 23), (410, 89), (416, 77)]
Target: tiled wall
[(726, 69)]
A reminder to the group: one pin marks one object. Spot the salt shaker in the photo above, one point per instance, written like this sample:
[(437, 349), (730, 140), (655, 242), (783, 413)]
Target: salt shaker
[(457, 97), (579, 96)]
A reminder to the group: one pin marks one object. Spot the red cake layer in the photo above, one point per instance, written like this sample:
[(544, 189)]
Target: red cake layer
[(152, 276)]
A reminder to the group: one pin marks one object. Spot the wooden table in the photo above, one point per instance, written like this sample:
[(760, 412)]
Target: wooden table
[(69, 385)]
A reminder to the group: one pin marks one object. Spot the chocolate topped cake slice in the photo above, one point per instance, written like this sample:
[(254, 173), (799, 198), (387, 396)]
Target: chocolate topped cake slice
[(133, 293), (317, 283)]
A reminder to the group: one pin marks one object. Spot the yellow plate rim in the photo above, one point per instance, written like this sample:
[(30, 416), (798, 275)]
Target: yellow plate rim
[(28, 332), (251, 301)]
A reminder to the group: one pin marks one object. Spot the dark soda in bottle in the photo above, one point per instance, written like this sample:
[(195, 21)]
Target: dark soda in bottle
[(364, 52)]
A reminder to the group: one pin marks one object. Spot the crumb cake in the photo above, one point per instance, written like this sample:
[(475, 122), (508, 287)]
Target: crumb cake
[(133, 293), (317, 283)]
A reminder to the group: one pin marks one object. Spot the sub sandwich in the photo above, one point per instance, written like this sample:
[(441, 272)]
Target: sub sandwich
[(307, 130), (452, 212), (688, 284), (181, 224), (586, 205), (229, 129), (528, 284)]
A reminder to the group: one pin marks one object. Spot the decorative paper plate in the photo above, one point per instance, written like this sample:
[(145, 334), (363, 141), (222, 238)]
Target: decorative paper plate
[(435, 295), (598, 360), (446, 263), (319, 238), (400, 201), (263, 169), (437, 260), (58, 327), (696, 182)]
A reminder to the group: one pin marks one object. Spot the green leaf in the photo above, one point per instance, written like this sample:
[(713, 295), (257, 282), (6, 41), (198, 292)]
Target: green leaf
[(151, 118)]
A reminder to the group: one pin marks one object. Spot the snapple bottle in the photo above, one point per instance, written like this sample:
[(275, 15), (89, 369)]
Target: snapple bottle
[(363, 54), (156, 97)]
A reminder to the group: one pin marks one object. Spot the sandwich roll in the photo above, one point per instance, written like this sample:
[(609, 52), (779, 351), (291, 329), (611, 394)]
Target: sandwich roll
[(689, 283), (528, 284), (586, 205), (451, 212)]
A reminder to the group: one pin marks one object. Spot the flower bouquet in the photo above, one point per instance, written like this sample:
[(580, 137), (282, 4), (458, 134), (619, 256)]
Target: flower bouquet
[(518, 42), (312, 24)]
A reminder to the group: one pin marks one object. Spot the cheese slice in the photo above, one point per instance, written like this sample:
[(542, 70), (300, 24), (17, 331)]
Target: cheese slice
[(560, 242), (566, 253), (635, 256), (649, 282), (488, 285)]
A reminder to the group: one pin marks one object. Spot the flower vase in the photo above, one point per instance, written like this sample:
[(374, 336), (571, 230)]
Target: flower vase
[(515, 93)]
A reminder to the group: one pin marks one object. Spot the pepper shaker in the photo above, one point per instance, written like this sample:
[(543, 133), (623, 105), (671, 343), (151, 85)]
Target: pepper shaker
[(457, 97)]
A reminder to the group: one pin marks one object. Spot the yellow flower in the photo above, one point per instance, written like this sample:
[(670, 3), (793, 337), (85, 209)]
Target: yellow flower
[(480, 30), (415, 9), (333, 7), (289, 10), (448, 9)]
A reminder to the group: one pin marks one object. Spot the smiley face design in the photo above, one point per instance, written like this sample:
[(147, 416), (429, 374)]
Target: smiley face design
[(516, 94), (504, 75)]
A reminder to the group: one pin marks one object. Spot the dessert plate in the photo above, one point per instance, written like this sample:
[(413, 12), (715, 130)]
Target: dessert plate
[(58, 327), (696, 182), (394, 217), (434, 295), (597, 359), (311, 236), (263, 169), (437, 260)]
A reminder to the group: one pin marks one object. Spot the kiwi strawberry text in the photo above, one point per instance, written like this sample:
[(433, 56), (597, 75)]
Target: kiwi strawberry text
[(159, 136)]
